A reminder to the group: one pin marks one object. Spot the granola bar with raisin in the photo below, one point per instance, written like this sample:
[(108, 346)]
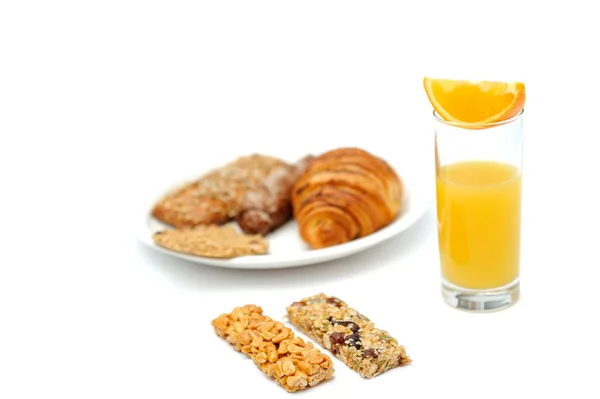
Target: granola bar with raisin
[(348, 334)]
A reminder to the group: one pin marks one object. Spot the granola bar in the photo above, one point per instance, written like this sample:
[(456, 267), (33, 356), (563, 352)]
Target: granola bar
[(349, 335), (293, 363)]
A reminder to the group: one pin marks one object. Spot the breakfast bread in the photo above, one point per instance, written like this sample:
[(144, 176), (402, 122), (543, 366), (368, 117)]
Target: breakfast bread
[(344, 194), (268, 206), (216, 197)]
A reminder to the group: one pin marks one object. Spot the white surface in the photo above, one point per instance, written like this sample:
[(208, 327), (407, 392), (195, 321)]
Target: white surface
[(286, 247), (101, 101)]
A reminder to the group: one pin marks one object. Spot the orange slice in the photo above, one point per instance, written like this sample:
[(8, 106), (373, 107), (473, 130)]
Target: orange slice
[(475, 101)]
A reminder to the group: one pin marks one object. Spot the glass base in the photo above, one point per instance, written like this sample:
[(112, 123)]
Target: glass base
[(481, 301)]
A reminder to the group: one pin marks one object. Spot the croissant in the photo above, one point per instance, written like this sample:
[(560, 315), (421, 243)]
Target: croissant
[(344, 194)]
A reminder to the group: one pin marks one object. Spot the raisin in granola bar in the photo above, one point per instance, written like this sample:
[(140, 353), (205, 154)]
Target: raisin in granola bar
[(293, 363), (349, 335)]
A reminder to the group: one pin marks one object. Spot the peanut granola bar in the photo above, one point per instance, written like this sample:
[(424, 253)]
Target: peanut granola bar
[(349, 335), (293, 363)]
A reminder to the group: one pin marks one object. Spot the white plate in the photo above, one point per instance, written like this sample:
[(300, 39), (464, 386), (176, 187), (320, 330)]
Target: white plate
[(286, 248)]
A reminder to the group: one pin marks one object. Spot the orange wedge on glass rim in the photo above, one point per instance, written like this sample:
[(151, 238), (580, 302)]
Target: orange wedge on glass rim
[(475, 102)]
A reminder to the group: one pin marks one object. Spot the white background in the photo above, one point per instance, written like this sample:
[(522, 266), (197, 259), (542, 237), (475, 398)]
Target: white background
[(102, 101)]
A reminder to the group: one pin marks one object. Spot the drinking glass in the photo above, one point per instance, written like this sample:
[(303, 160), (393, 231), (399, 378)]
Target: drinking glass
[(478, 190)]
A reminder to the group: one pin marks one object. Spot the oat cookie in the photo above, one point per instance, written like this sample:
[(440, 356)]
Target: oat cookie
[(212, 241)]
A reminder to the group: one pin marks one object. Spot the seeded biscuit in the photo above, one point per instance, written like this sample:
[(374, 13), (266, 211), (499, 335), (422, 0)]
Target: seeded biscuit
[(212, 241), (216, 197)]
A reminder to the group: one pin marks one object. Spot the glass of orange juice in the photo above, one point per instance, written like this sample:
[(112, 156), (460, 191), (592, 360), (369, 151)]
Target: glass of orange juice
[(478, 185)]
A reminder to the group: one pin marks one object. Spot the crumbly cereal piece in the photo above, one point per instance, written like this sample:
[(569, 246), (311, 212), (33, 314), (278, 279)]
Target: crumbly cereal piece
[(293, 363), (212, 241), (349, 335)]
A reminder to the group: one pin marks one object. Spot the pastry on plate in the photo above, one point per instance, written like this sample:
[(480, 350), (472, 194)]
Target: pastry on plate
[(344, 194), (216, 197), (268, 206)]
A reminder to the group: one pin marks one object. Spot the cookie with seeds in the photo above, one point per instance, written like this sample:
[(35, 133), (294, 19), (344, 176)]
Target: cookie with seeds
[(269, 206), (212, 241), (216, 197)]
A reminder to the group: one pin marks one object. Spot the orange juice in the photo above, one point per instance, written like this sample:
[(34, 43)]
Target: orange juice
[(479, 217)]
